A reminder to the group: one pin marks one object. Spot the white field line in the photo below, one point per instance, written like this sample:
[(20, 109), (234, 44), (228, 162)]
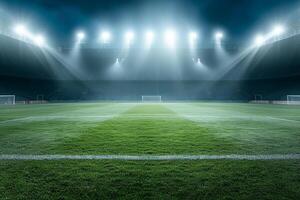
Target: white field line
[(54, 117), (192, 116), (73, 116), (151, 157), (82, 117), (197, 118), (286, 120)]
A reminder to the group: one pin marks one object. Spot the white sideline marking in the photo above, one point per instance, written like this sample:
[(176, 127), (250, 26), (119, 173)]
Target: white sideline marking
[(54, 117), (151, 157), (286, 120)]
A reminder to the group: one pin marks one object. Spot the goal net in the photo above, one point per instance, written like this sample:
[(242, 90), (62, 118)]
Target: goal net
[(7, 99), (293, 99), (151, 98)]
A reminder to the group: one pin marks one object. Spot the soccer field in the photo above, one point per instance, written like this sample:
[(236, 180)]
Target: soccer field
[(160, 150)]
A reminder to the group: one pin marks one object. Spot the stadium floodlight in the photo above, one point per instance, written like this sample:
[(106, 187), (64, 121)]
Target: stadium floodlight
[(80, 36), (219, 35), (193, 36), (278, 30), (105, 37), (170, 38), (149, 38), (259, 40), (21, 30), (129, 36), (39, 40)]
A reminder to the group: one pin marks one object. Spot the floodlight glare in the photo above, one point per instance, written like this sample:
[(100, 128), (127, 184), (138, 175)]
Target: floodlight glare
[(105, 37), (278, 30), (192, 39), (129, 36), (259, 40), (219, 35), (80, 36), (39, 40), (170, 37), (149, 37), (193, 36), (21, 30)]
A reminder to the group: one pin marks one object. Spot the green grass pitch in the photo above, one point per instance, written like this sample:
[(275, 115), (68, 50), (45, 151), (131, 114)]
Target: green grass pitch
[(149, 129)]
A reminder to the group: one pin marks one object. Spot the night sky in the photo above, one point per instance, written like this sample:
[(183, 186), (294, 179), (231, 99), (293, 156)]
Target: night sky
[(238, 18)]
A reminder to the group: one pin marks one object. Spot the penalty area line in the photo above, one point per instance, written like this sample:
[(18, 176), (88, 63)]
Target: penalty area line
[(151, 157)]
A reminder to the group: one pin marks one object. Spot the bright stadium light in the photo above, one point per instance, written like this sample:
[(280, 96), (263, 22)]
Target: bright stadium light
[(129, 36), (193, 36), (170, 38), (105, 37), (80, 36), (39, 40), (278, 30), (21, 30), (259, 40), (219, 35), (149, 38)]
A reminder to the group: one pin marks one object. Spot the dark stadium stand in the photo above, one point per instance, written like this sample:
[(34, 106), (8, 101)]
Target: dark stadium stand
[(27, 71)]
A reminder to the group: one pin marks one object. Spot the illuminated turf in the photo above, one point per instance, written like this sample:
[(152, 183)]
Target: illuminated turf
[(150, 129)]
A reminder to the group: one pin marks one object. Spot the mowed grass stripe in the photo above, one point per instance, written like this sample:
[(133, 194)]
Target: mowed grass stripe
[(119, 179), (39, 135), (150, 129), (78, 110), (152, 157), (155, 135), (56, 117)]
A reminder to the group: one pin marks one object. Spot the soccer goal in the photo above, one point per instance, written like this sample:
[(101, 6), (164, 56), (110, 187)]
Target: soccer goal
[(151, 98), (293, 99), (7, 99)]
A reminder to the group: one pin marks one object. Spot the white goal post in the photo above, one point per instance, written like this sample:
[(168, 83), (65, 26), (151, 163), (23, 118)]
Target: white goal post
[(293, 99), (7, 99), (151, 98)]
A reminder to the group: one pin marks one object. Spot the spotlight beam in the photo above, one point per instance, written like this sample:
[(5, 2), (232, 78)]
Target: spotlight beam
[(105, 37), (193, 36), (259, 40), (129, 36), (80, 36), (149, 36), (219, 35), (39, 40), (278, 30), (21, 30), (170, 38)]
